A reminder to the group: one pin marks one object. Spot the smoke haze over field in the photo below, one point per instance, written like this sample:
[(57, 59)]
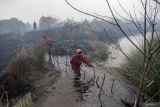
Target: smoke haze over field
[(30, 10)]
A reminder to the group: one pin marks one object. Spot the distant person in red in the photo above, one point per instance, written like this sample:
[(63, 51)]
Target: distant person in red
[(48, 43), (77, 60)]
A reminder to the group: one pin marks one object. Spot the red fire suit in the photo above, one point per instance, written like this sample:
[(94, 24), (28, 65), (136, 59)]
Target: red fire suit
[(76, 62)]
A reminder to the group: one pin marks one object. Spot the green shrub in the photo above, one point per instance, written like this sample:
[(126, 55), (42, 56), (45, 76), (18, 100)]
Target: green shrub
[(133, 71), (133, 67), (99, 52)]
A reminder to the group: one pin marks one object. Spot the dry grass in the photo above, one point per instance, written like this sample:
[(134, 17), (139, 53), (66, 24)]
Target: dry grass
[(22, 72), (25, 101)]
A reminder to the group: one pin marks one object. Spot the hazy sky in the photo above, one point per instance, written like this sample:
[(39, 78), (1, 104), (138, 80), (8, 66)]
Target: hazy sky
[(30, 10)]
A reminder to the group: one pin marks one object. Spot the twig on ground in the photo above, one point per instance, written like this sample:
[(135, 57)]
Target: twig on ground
[(112, 87), (99, 95)]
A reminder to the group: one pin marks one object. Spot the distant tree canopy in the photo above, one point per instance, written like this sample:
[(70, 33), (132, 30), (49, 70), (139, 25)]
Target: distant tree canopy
[(68, 35), (13, 25), (47, 22)]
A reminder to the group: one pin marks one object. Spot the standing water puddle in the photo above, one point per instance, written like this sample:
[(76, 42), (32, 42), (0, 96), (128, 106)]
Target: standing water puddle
[(91, 92)]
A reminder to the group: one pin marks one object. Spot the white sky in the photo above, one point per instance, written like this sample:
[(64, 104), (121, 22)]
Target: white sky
[(30, 10)]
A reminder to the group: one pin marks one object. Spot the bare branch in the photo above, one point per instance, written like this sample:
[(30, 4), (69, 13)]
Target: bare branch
[(157, 1), (99, 95), (149, 20), (112, 87), (144, 61), (137, 18), (122, 16), (91, 30), (123, 8), (89, 13), (102, 16), (121, 28)]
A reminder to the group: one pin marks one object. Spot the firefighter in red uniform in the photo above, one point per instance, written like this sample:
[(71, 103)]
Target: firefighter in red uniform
[(77, 60), (48, 43)]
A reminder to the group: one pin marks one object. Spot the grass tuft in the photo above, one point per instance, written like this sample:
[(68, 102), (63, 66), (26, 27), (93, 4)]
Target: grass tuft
[(22, 73), (133, 71)]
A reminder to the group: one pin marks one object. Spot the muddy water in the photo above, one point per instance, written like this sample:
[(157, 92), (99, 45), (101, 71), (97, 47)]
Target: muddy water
[(66, 95)]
